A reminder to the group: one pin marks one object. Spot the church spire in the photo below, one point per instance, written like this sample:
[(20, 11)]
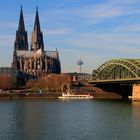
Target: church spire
[(21, 26), (37, 36), (37, 22), (21, 41)]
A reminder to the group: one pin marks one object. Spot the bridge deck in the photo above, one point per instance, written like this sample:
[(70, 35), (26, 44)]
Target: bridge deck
[(119, 81)]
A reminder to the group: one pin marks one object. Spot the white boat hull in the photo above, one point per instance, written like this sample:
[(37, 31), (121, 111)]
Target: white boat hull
[(72, 96)]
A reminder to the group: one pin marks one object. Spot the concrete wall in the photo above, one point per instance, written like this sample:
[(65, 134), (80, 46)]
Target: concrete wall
[(136, 92)]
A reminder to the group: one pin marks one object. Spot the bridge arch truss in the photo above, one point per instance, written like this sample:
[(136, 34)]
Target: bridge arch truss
[(118, 69)]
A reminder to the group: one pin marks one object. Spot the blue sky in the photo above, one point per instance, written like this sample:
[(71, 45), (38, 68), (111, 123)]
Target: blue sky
[(96, 30)]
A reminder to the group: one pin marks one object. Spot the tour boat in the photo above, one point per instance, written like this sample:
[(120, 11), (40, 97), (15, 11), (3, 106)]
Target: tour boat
[(75, 96)]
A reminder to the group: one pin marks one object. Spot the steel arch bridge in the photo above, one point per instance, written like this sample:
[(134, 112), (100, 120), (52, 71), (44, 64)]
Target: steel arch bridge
[(118, 69)]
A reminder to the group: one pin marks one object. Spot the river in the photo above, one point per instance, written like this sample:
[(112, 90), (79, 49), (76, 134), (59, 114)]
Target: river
[(41, 119)]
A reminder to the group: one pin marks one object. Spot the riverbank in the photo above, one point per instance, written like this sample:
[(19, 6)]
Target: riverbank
[(28, 95), (51, 95)]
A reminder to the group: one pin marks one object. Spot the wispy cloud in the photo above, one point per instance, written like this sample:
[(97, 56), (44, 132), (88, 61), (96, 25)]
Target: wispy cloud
[(134, 28), (94, 13), (97, 30), (6, 40), (54, 32), (125, 2), (6, 46), (8, 25)]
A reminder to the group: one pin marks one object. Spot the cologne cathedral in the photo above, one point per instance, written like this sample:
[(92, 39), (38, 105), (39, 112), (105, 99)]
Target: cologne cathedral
[(34, 60)]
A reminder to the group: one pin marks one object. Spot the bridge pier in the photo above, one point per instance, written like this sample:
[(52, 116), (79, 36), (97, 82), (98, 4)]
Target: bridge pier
[(136, 92)]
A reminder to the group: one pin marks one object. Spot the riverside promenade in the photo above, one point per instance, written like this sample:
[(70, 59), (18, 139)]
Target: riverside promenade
[(23, 94), (26, 94)]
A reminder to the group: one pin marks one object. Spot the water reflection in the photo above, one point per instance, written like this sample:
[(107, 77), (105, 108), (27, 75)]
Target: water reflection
[(70, 120), (22, 120), (136, 119), (27, 119)]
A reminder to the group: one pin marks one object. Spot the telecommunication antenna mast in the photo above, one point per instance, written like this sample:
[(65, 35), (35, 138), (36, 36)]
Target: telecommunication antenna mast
[(80, 63)]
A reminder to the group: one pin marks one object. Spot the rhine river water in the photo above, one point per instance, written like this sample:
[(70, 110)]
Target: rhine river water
[(43, 119)]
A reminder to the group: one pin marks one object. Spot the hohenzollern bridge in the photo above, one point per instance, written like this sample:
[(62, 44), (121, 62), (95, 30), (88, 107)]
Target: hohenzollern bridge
[(123, 72)]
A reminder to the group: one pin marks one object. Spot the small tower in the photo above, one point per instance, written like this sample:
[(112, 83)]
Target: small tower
[(37, 36), (80, 63), (21, 41)]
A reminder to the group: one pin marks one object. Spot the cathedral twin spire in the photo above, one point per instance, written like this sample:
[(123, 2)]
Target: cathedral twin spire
[(21, 26), (37, 36), (37, 23), (21, 42)]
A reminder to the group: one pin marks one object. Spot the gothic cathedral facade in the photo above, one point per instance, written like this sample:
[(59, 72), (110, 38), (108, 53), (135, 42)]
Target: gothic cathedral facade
[(35, 61)]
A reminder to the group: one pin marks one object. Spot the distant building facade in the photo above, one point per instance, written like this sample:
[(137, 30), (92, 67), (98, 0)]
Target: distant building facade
[(35, 61)]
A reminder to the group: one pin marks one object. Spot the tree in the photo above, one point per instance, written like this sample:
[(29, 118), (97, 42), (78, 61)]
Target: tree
[(7, 82), (50, 82)]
